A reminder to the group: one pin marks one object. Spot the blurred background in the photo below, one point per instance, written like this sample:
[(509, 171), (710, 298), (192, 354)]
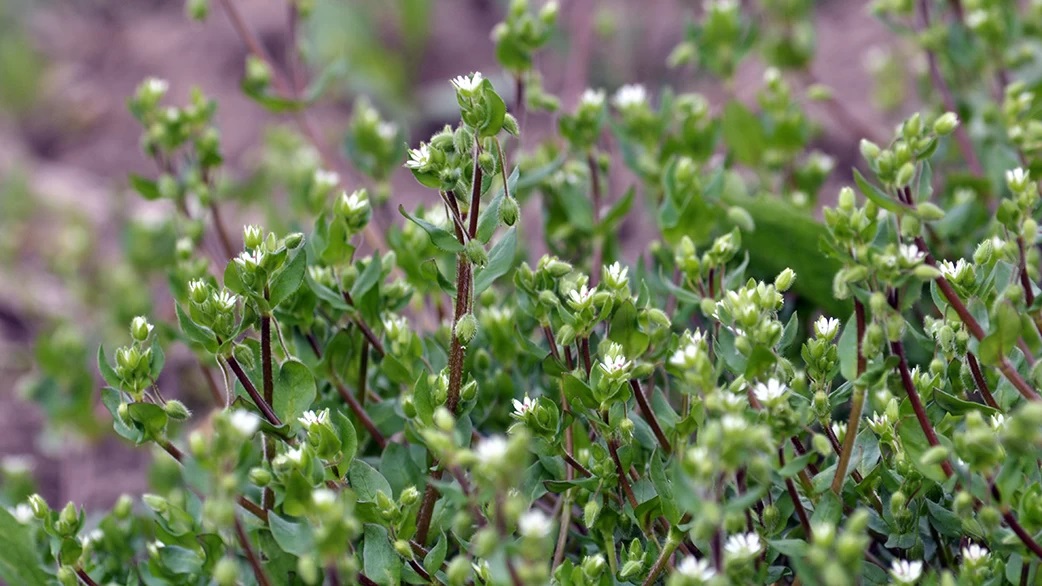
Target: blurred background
[(74, 236)]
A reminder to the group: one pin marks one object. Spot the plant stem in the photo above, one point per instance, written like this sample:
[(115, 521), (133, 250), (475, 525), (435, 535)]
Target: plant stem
[(857, 403), (251, 390), (663, 560), (251, 555), (1005, 366), (244, 502), (790, 486), (859, 318), (475, 192), (359, 411), (917, 404), (373, 340), (363, 373), (222, 232), (268, 495), (83, 575), (576, 465), (978, 379), (649, 416)]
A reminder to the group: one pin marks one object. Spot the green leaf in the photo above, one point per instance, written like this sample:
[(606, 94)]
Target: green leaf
[(107, 373), (112, 398), (829, 509), (367, 278), (1003, 337), (617, 211), (196, 333), (19, 563), (292, 537), (664, 488), (742, 133), (288, 280), (348, 438), (441, 238), (147, 188), (876, 195), (367, 481), (846, 348), (795, 465), (436, 556), (150, 416), (379, 560), (294, 390), (500, 261), (488, 221)]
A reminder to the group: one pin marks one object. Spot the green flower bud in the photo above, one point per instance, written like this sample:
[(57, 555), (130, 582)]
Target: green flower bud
[(39, 506), (946, 123), (510, 125), (487, 163), (905, 174), (934, 455), (258, 73), (591, 511), (458, 571), (593, 566), (176, 410), (929, 212), (784, 280), (509, 211), (140, 328), (293, 240), (870, 151), (475, 252), (466, 328), (741, 218), (409, 496), (260, 476), (307, 569), (226, 572), (252, 236), (67, 576)]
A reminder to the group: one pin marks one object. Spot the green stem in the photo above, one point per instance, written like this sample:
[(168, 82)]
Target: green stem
[(857, 403), (663, 560)]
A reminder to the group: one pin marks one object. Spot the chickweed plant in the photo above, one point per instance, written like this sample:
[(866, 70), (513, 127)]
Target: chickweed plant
[(770, 388)]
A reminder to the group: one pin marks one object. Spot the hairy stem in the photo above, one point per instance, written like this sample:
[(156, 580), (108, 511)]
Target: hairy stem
[(663, 560), (251, 555), (857, 403), (268, 495), (794, 496), (251, 390), (649, 416), (978, 379)]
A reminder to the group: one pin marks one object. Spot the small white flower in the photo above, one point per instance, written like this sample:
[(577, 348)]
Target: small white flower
[(733, 423), (244, 422), (743, 545), (93, 536), (689, 567), (580, 298), (629, 95), (325, 179), (225, 300), (16, 465), (23, 513), (249, 261), (323, 497), (974, 553), (492, 450), (196, 288), (910, 254), (998, 421), (954, 271), (468, 84), (771, 391), (592, 98), (310, 419), (689, 352), (155, 86), (387, 130), (522, 407), (534, 523), (732, 401), (826, 327), (906, 572), (295, 455), (355, 203), (879, 422), (616, 275), (839, 429), (614, 365), (1017, 178), (419, 158)]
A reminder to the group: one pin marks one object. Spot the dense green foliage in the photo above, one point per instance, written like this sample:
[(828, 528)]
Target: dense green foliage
[(411, 394)]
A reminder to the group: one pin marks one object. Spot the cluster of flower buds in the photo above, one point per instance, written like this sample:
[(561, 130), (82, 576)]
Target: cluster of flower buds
[(522, 33)]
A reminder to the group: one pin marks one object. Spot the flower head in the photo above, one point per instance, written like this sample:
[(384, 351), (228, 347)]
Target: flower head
[(826, 327), (419, 159), (956, 271), (325, 179), (771, 391), (743, 545), (580, 298), (906, 572), (468, 84), (690, 350), (387, 130), (23, 513), (998, 421), (974, 553), (616, 276), (310, 419), (534, 523), (696, 569), (629, 95), (1018, 179), (244, 422), (522, 407), (592, 98), (492, 450), (910, 254), (225, 300), (323, 497)]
